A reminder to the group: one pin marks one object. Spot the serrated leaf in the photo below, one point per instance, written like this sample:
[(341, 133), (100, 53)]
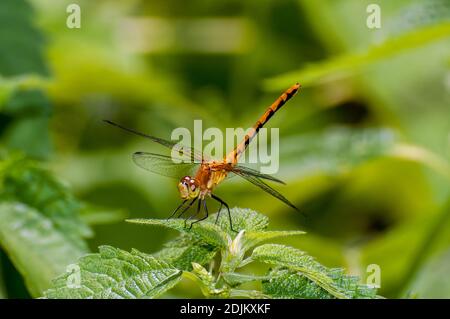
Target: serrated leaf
[(207, 232), (242, 218), (287, 284), (38, 248), (297, 260), (184, 250), (333, 281), (204, 275), (114, 273), (254, 238), (284, 283)]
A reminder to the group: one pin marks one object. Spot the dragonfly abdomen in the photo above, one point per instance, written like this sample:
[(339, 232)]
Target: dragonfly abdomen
[(286, 96)]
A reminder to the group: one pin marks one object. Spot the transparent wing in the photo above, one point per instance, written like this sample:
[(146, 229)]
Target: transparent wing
[(164, 165), (256, 181), (185, 152), (243, 170)]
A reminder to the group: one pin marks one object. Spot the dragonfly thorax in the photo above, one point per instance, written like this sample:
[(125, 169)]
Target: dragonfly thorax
[(188, 188)]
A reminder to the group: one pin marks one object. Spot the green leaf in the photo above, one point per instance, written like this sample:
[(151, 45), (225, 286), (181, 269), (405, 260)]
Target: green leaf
[(184, 250), (114, 273), (207, 232), (297, 260), (39, 249), (23, 180), (242, 218), (339, 149), (235, 279), (26, 102), (21, 44), (342, 65), (284, 283), (93, 215), (433, 280), (254, 238), (27, 130), (21, 61), (31, 136), (333, 281), (2, 292), (27, 125), (336, 150)]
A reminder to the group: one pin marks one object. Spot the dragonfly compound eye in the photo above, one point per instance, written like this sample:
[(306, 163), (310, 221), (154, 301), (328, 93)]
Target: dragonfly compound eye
[(188, 187)]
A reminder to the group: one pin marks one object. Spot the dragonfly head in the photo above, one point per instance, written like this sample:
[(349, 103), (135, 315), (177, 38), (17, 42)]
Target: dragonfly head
[(188, 188)]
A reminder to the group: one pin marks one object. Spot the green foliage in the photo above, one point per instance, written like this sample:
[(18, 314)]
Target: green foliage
[(24, 181), (307, 278), (433, 280), (243, 219), (28, 131), (338, 150), (21, 48), (209, 233), (97, 215), (26, 109), (41, 229), (284, 283), (117, 274), (359, 184), (184, 250), (254, 238), (39, 249), (114, 273), (347, 64)]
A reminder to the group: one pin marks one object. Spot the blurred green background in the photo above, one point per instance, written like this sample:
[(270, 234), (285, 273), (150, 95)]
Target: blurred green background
[(365, 145)]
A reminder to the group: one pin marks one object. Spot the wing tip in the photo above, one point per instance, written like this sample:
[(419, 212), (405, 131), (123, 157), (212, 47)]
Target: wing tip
[(300, 211)]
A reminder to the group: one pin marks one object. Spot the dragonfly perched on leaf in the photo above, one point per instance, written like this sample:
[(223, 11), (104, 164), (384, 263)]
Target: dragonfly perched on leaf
[(200, 175)]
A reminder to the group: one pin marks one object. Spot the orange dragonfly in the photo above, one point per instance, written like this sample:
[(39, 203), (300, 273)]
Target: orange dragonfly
[(201, 175)]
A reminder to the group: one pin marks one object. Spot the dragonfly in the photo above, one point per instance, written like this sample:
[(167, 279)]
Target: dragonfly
[(200, 175)]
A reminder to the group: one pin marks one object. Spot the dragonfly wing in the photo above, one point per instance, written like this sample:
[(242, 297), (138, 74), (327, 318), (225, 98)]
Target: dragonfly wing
[(164, 165), (258, 182), (243, 170), (185, 152)]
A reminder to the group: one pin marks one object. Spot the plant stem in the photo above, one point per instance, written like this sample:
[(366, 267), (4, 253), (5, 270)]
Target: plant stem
[(193, 277)]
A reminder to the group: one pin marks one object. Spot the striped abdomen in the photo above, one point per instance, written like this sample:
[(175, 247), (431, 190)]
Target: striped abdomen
[(236, 153)]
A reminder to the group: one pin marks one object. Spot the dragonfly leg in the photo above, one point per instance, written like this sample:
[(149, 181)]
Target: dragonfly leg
[(218, 214), (199, 208), (228, 209), (176, 210), (205, 208), (187, 207)]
